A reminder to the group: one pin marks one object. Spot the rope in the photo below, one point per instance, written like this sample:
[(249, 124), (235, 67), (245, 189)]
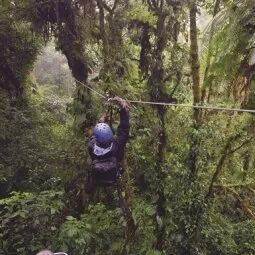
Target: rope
[(173, 104), (88, 87), (60, 253), (193, 106)]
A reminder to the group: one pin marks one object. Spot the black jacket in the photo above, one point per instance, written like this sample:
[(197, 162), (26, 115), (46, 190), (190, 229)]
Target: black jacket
[(118, 142)]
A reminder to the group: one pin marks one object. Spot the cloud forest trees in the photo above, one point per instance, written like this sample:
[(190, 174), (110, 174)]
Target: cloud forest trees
[(189, 178)]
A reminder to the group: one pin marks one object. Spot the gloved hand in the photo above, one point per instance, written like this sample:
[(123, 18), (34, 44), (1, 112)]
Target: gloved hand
[(122, 103), (45, 252)]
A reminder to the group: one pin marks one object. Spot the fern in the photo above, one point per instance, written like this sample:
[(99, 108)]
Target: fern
[(233, 21)]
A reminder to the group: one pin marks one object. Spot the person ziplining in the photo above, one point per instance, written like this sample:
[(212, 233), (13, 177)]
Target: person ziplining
[(107, 150)]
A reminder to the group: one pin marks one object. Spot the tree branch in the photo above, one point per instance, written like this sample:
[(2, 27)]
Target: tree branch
[(240, 146), (115, 5), (150, 5), (106, 6), (154, 3), (161, 4), (174, 89), (222, 160), (101, 19), (243, 206)]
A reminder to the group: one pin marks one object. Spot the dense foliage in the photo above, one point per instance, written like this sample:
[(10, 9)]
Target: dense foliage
[(189, 173)]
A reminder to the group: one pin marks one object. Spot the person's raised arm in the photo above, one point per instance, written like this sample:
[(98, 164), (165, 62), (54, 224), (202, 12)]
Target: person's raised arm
[(123, 128)]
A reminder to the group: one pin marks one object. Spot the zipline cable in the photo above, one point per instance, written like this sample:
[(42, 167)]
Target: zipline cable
[(172, 104), (88, 87)]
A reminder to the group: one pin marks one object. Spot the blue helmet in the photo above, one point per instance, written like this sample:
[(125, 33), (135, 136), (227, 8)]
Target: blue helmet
[(103, 132)]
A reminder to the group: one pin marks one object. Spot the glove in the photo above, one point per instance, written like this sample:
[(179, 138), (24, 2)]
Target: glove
[(45, 252), (122, 103)]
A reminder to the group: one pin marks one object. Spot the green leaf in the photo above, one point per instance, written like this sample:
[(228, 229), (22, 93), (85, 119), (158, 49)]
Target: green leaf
[(52, 211), (70, 218), (71, 232)]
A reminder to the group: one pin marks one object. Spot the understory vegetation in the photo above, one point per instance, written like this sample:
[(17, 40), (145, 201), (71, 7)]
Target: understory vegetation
[(189, 178)]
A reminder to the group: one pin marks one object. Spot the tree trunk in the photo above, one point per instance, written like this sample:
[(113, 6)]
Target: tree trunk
[(145, 49), (192, 157), (194, 60), (193, 152), (111, 36), (155, 84), (71, 43)]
